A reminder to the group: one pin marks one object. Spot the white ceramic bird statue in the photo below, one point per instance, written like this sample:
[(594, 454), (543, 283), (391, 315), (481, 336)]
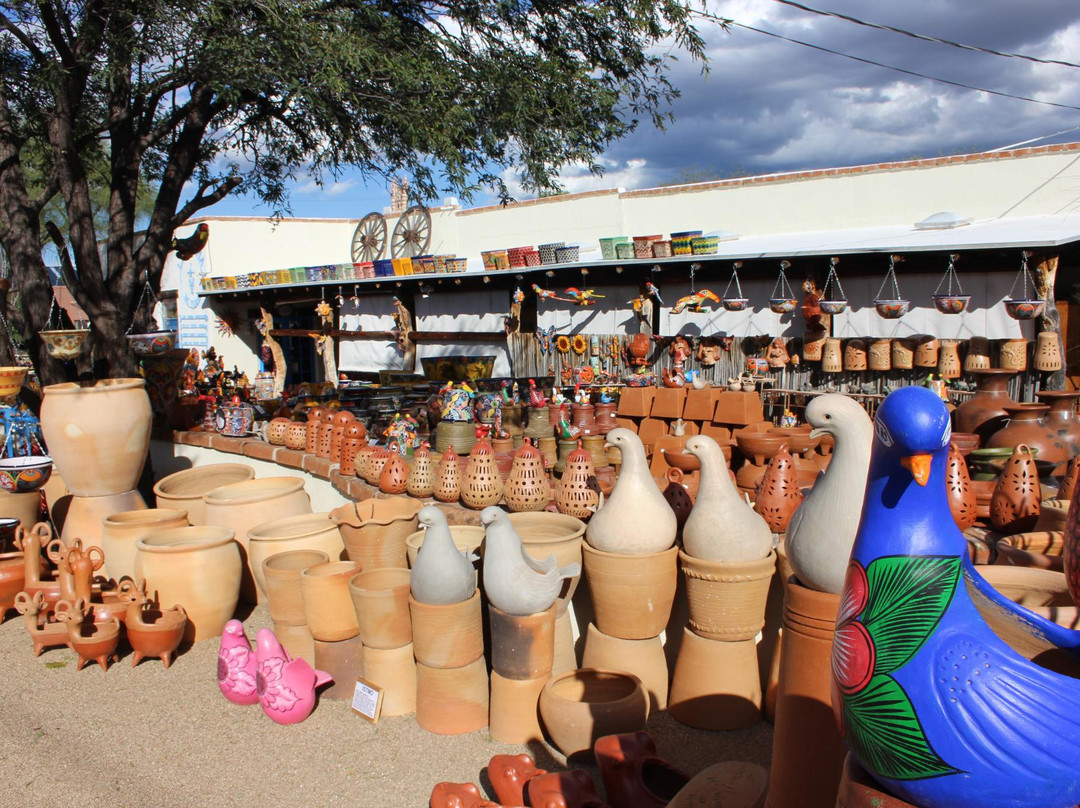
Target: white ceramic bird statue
[(635, 518), (442, 573), (514, 581), (822, 530), (697, 380), (722, 526)]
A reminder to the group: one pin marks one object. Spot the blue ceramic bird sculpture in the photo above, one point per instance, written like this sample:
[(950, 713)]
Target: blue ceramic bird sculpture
[(948, 693)]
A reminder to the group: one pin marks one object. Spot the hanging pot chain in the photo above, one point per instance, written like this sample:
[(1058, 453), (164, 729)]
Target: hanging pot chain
[(146, 292), (951, 277), (734, 279), (1024, 276), (782, 288), (833, 282), (890, 277)]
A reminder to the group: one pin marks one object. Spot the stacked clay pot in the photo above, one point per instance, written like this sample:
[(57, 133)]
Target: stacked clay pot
[(522, 655), (374, 530), (120, 532), (305, 531), (631, 568), (380, 599), (281, 576)]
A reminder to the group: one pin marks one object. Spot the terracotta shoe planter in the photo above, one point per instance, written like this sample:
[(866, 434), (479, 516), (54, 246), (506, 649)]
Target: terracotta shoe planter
[(586, 704), (85, 516), (394, 670), (98, 435), (522, 647), (297, 640), (859, 790), (543, 534), (281, 572), (634, 774), (184, 490), (458, 795), (306, 531), (120, 531), (509, 775), (245, 505), (514, 716), (327, 603), (447, 635), (806, 774), (632, 594), (643, 658), (452, 701), (716, 685), (198, 567), (380, 598), (375, 530), (727, 598), (344, 661)]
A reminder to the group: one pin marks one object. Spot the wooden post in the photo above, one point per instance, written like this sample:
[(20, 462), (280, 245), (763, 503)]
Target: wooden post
[(1050, 320)]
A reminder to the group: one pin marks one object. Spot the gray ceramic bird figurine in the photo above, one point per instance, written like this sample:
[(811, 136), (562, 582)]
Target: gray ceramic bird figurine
[(514, 581), (442, 572)]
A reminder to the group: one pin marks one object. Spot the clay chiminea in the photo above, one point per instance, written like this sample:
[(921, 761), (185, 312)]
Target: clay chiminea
[(151, 631), (778, 494), (92, 642), (1017, 497)]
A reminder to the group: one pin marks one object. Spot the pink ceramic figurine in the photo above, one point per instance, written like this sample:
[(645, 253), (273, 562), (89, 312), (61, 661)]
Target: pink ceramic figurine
[(236, 665), (286, 686)]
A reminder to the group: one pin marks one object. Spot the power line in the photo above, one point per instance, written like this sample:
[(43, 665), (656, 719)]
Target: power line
[(905, 71), (925, 37)]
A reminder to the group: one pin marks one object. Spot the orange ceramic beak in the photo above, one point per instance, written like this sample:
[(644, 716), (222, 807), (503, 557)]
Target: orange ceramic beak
[(919, 466)]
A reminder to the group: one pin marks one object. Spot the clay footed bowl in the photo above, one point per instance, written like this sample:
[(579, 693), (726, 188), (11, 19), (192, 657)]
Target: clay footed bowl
[(798, 439), (682, 460), (760, 447), (581, 706), (21, 475)]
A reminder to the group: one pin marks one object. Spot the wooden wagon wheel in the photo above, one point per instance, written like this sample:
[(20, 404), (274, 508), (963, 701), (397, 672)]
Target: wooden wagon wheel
[(412, 234), (369, 238)]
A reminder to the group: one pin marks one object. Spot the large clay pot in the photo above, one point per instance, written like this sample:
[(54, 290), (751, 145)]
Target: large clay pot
[(716, 684), (452, 701), (198, 567), (1026, 426), (281, 574), (631, 593), (305, 531), (581, 706), (1062, 419), (806, 774), (120, 531), (84, 517), (185, 489), (327, 604), (375, 530), (984, 413), (394, 670), (98, 435), (727, 598), (447, 635), (643, 658), (244, 505), (380, 598)]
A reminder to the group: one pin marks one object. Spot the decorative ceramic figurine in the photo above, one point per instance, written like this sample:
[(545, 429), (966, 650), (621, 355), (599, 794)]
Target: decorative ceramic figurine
[(962, 500), (778, 494), (1017, 497), (635, 518), (236, 665), (722, 526), (441, 573), (91, 642), (514, 581), (286, 686), (821, 531), (934, 683), (150, 631)]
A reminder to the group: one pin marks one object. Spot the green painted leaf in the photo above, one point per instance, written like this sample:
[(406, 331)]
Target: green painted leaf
[(885, 734), (907, 596)]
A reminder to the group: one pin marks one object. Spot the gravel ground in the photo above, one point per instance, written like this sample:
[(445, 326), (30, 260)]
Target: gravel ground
[(147, 736)]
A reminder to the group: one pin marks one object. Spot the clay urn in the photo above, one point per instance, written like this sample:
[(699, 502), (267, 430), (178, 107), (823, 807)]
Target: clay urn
[(984, 413), (1026, 426), (1014, 506), (1062, 418), (779, 495), (962, 499)]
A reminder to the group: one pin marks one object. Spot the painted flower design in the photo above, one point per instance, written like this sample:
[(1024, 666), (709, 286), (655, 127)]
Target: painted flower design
[(273, 693), (232, 671), (853, 647)]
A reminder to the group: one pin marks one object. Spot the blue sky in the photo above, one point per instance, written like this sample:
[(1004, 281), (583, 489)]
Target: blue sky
[(769, 105)]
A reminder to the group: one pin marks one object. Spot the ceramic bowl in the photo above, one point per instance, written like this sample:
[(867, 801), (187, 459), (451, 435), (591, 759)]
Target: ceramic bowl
[(759, 446), (782, 305), (684, 461), (965, 442), (152, 343), (583, 705), (798, 439), (20, 475), (892, 309), (1042, 549), (832, 306), (64, 343), (951, 304), (1024, 309), (735, 303), (11, 379)]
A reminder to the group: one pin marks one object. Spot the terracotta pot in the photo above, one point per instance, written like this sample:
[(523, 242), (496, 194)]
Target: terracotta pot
[(85, 516), (716, 684), (1047, 352), (198, 567), (452, 701), (984, 413), (98, 435), (381, 600), (1053, 514), (184, 490), (375, 530), (1062, 418), (295, 437), (447, 635), (394, 670), (1041, 549), (281, 577), (306, 531), (514, 714), (579, 707), (344, 661), (244, 505), (858, 789), (394, 477), (806, 774), (543, 534), (565, 652), (466, 537), (1014, 354), (727, 598), (631, 593), (297, 640), (643, 658), (327, 604), (120, 531), (1026, 425), (522, 647)]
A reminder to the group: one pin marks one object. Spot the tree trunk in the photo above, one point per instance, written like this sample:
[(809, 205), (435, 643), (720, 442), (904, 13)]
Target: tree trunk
[(1045, 277)]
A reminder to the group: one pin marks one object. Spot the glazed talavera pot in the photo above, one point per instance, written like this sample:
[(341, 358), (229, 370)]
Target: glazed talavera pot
[(98, 435)]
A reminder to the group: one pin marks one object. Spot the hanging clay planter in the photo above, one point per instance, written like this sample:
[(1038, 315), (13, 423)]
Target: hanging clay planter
[(375, 530), (962, 499), (305, 531), (394, 477), (952, 300), (527, 487), (1014, 506), (447, 484)]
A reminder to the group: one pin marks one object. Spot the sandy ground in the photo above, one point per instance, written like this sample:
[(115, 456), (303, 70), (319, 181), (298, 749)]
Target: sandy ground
[(147, 736)]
